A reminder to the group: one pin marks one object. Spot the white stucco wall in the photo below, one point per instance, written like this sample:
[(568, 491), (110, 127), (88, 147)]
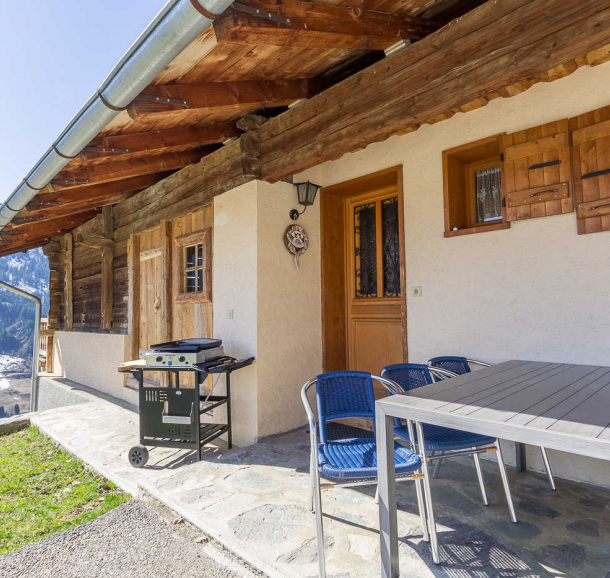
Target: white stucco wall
[(276, 309), (234, 289), (289, 311), (92, 359), (536, 291)]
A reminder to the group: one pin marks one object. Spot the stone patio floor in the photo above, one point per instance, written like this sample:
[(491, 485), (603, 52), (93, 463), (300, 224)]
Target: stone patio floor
[(254, 500)]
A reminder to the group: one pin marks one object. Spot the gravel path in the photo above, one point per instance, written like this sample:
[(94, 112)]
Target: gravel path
[(132, 541)]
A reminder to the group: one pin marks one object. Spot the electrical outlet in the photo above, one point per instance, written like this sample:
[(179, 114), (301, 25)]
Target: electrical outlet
[(416, 291), (230, 314)]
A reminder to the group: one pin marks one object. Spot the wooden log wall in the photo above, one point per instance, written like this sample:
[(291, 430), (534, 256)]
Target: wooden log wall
[(181, 193)]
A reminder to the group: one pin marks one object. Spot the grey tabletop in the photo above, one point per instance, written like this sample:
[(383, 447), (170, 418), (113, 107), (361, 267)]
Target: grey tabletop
[(556, 405)]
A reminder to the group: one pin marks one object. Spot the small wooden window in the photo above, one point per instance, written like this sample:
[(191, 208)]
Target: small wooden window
[(194, 261), (473, 188), (193, 269)]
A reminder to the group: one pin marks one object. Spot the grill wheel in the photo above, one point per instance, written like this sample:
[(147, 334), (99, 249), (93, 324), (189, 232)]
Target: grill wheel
[(138, 456)]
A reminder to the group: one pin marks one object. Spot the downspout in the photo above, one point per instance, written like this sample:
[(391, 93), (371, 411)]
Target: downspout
[(34, 388), (178, 23)]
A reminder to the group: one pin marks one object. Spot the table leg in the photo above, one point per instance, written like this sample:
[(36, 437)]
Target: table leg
[(421, 445), (386, 468), (520, 460)]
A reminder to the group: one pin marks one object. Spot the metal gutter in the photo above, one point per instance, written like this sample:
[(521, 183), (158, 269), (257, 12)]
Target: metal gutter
[(34, 388), (177, 24)]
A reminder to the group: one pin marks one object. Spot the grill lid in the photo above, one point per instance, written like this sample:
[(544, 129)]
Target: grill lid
[(187, 345)]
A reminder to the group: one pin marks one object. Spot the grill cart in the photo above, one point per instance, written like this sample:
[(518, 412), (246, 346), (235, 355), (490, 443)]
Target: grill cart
[(170, 416)]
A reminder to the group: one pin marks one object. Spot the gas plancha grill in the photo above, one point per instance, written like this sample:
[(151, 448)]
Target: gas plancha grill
[(171, 416)]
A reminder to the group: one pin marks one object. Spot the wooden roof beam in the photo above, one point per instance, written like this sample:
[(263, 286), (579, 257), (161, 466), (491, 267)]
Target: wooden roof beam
[(217, 96), (124, 168), (451, 68), (317, 26), (92, 195), (38, 233), (159, 139)]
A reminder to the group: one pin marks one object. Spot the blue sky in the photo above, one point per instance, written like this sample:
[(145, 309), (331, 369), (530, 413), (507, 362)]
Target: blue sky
[(53, 56)]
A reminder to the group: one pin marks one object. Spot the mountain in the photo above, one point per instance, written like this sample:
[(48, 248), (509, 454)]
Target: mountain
[(28, 272)]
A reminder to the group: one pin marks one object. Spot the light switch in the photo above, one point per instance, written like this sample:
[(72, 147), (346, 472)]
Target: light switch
[(416, 291), (230, 314)]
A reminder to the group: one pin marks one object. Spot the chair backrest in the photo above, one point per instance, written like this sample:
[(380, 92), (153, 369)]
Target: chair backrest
[(344, 394), (452, 363), (408, 375)]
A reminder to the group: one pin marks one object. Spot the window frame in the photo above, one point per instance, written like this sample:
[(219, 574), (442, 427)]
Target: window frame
[(459, 191), (182, 243)]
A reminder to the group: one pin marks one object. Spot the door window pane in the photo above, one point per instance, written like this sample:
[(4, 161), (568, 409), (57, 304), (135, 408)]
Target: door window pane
[(391, 247), (488, 194), (365, 250)]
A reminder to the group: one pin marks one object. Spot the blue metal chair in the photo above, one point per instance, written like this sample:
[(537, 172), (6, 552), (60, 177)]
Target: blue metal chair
[(352, 461), (445, 442), (461, 365)]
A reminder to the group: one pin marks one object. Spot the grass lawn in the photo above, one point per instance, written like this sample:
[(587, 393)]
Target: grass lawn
[(44, 489)]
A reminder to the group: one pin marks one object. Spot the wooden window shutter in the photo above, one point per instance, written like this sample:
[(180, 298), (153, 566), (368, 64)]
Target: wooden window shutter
[(591, 151), (536, 172)]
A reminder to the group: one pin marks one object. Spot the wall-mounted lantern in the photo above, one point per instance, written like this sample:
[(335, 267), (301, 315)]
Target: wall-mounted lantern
[(307, 195)]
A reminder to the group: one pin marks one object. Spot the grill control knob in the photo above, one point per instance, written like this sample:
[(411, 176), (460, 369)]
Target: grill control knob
[(182, 359), (159, 358)]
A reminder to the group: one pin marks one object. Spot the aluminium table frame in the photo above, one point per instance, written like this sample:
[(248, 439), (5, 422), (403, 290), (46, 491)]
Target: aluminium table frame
[(415, 406)]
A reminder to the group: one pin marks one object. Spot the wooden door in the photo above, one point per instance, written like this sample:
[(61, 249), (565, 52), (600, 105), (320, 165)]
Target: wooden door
[(152, 309), (164, 303), (192, 302), (362, 332), (373, 281)]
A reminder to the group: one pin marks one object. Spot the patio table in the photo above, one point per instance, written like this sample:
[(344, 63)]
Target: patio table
[(559, 406)]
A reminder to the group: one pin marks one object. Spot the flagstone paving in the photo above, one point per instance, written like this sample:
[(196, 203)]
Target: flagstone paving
[(254, 500)]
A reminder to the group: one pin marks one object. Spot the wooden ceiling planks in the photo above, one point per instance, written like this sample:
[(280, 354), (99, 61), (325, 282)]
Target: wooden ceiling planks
[(450, 68), (208, 60)]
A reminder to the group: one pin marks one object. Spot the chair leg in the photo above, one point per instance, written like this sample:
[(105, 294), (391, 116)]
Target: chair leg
[(377, 494), (509, 498), (428, 494), (549, 472), (319, 524), (437, 467), (477, 465), (312, 482)]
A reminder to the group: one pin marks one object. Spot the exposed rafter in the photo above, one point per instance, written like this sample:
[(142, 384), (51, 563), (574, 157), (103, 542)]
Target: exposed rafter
[(159, 139), (39, 233), (98, 195), (127, 167), (319, 26), (229, 96)]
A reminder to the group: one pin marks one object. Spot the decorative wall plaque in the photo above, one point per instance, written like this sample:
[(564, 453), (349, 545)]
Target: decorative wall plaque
[(296, 241)]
